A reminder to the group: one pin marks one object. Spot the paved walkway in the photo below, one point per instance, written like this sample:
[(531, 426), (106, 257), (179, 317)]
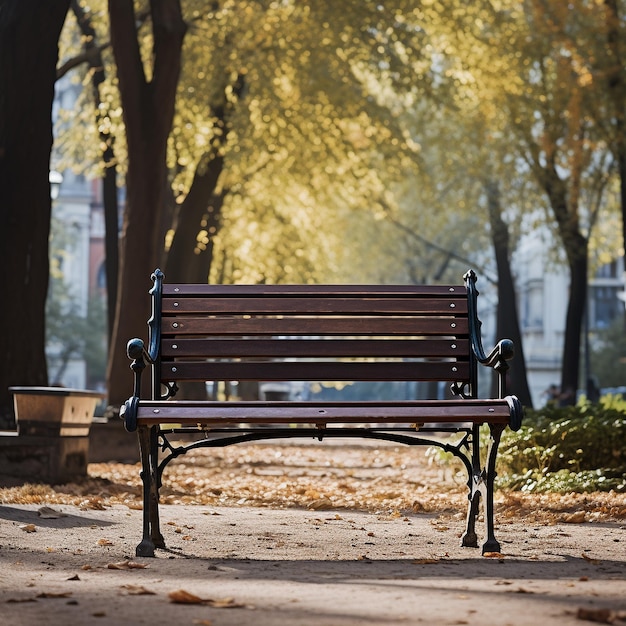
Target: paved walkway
[(257, 566)]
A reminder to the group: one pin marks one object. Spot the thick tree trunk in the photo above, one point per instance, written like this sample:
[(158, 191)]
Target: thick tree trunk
[(507, 317), (29, 35), (109, 179), (148, 113)]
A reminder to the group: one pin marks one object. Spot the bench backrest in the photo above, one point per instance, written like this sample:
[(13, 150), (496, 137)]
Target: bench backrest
[(310, 333)]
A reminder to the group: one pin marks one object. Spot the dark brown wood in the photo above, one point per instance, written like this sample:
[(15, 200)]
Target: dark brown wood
[(315, 371), (338, 306), (211, 413), (307, 347), (313, 290), (181, 325)]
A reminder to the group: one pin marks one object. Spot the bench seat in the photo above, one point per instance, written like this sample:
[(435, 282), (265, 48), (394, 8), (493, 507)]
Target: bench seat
[(191, 413)]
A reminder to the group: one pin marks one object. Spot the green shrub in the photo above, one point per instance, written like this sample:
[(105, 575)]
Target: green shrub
[(580, 448)]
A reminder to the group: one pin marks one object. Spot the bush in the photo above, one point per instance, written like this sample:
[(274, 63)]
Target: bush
[(580, 448)]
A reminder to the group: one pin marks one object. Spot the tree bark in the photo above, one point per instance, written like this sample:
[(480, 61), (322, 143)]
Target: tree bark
[(617, 93), (196, 213), (148, 107), (29, 35), (507, 318), (109, 178), (576, 250)]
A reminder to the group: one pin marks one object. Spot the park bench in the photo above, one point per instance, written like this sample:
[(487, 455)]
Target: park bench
[(312, 334)]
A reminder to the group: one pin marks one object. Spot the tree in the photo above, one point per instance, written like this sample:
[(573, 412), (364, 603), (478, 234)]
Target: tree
[(96, 64), (148, 91), (29, 35), (524, 57), (609, 72)]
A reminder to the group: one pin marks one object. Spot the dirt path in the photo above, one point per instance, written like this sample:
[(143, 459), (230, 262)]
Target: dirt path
[(365, 540)]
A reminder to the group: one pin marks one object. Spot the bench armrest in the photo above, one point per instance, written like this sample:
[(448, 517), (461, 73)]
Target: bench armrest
[(503, 351), (137, 353)]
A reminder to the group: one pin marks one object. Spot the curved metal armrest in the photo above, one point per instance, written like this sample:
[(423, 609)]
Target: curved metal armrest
[(502, 352), (136, 351), (128, 412), (517, 412)]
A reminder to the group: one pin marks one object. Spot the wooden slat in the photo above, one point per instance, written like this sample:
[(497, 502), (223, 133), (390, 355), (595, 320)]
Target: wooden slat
[(330, 291), (315, 306), (407, 412), (281, 348), (315, 371), (182, 325)]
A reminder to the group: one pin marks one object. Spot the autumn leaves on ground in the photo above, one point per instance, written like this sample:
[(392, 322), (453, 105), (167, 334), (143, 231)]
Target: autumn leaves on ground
[(384, 478)]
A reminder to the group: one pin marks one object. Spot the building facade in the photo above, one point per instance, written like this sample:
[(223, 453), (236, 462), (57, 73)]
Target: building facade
[(542, 291)]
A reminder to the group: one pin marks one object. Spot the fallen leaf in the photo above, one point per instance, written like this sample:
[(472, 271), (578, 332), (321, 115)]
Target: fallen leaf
[(600, 616), (94, 503), (493, 555), (137, 590), (590, 560), (46, 594), (19, 600), (75, 577), (424, 561), (319, 505), (180, 596), (104, 542), (28, 528), (225, 603), (574, 518), (46, 512), (126, 565)]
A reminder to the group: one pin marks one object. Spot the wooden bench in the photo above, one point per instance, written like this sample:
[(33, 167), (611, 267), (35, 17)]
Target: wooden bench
[(316, 333)]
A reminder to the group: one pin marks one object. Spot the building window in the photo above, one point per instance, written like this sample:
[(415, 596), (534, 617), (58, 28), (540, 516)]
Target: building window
[(606, 306), (533, 305), (607, 271)]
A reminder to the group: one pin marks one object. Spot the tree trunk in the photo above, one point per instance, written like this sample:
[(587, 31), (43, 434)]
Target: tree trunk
[(148, 114), (188, 259), (196, 214), (617, 94), (29, 35), (507, 317), (576, 250), (109, 179), (574, 320)]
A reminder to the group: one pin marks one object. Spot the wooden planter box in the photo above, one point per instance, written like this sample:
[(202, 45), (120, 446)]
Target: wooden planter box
[(51, 443), (54, 411)]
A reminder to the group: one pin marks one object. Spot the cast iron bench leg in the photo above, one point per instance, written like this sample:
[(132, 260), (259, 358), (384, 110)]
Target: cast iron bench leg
[(155, 485), (491, 544), (152, 538), (469, 538)]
